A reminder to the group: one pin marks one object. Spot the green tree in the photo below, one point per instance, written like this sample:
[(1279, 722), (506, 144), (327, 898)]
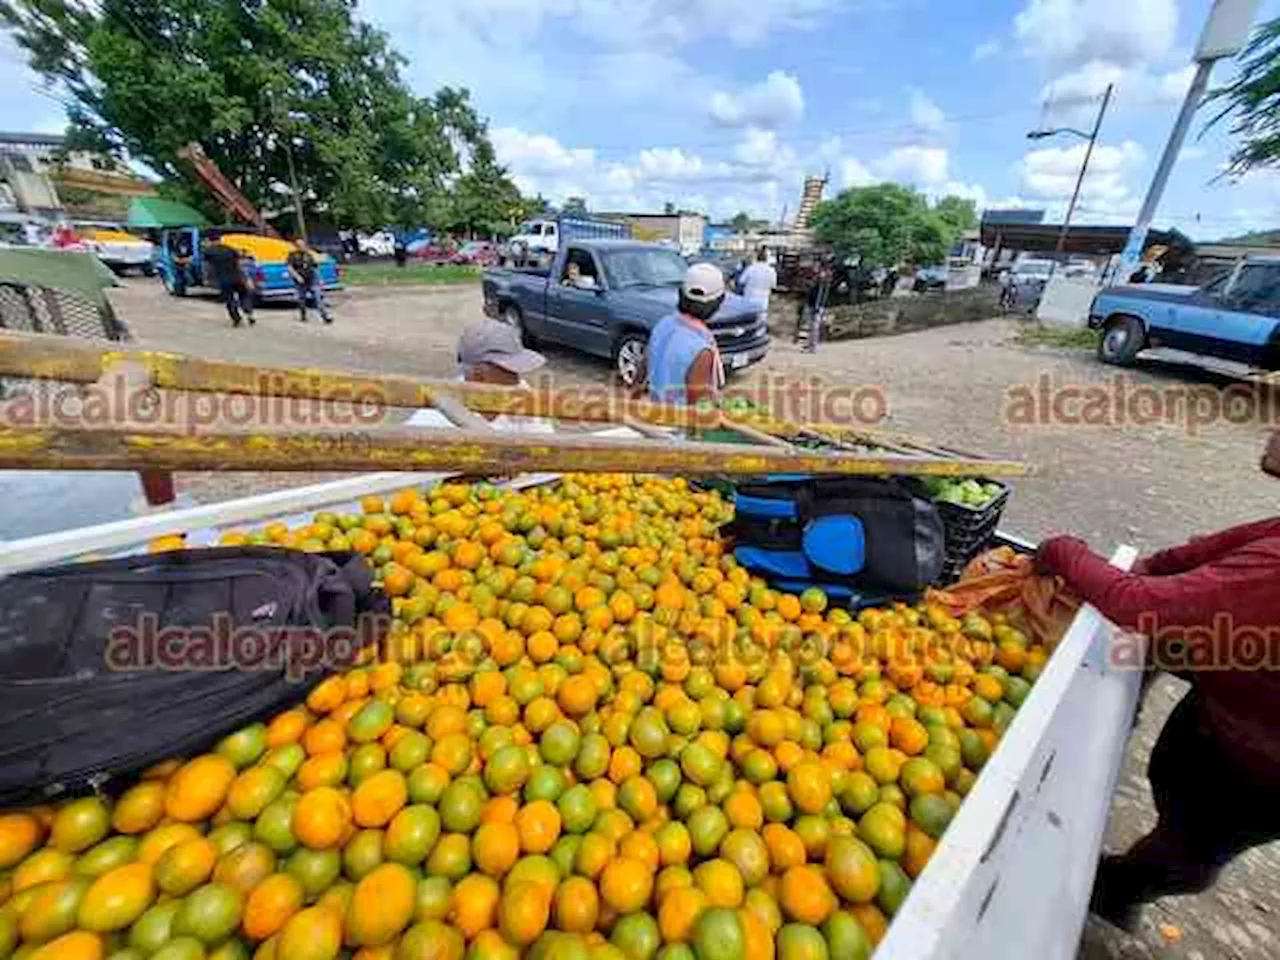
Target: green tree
[(577, 206), (1252, 102), (247, 79), (741, 222), (884, 225), (958, 213)]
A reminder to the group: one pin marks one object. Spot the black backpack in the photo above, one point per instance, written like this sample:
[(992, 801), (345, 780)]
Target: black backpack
[(110, 666), (862, 539)]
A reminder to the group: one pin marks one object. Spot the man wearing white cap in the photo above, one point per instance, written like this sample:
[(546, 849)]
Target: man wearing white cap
[(682, 361), (491, 352)]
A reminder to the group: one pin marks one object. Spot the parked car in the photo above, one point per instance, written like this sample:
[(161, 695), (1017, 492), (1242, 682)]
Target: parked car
[(118, 248), (627, 288), (434, 253), (476, 253), (379, 244), (181, 264), (1235, 317), (930, 278)]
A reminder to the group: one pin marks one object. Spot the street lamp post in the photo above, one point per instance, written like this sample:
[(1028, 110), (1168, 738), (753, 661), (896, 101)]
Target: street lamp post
[(1092, 137), (1225, 32)]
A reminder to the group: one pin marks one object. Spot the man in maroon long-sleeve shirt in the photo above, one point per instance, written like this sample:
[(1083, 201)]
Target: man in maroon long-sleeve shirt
[(1211, 609)]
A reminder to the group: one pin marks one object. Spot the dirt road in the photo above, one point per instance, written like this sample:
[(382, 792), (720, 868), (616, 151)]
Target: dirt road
[(1149, 483)]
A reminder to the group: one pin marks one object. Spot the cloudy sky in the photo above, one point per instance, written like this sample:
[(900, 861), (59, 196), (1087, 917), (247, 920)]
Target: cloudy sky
[(725, 105)]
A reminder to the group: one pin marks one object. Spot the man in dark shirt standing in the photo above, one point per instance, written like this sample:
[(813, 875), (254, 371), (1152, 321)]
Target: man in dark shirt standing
[(306, 280), (227, 272)]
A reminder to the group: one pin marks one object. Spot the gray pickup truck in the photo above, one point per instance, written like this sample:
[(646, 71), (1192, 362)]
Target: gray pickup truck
[(622, 289)]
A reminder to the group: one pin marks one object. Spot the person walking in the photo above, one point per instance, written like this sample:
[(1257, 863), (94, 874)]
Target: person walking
[(682, 362), (306, 280), (1208, 609), (227, 268), (758, 281), (815, 306)]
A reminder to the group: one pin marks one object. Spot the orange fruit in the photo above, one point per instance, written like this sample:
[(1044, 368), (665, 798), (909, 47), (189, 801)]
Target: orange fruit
[(577, 905), (626, 885), (805, 895), (198, 788), (19, 834), (322, 818), (270, 905), (539, 826), (381, 905), (523, 912)]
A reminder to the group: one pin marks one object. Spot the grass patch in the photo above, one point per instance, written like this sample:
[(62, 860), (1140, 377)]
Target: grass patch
[(1039, 335), (411, 274)]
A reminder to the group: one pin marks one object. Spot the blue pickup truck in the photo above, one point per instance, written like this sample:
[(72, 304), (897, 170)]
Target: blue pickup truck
[(604, 296), (1235, 317)]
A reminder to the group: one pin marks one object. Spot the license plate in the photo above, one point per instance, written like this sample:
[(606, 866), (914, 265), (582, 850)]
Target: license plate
[(737, 360)]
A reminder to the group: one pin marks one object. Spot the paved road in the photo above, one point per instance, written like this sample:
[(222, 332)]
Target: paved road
[(1149, 484)]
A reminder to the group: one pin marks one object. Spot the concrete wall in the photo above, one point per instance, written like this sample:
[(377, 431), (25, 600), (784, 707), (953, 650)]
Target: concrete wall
[(878, 318), (1065, 301)]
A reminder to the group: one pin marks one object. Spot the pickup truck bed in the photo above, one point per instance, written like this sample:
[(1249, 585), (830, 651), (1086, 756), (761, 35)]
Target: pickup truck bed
[(1012, 875)]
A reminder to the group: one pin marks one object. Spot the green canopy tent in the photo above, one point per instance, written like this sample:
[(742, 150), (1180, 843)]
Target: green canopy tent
[(157, 213)]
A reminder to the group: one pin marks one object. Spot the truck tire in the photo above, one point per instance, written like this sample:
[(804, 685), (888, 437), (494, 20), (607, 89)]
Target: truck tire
[(148, 269), (512, 317), (1122, 337), (628, 357)]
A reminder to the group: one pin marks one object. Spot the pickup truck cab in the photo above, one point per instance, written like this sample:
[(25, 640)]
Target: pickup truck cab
[(1235, 317), (624, 288)]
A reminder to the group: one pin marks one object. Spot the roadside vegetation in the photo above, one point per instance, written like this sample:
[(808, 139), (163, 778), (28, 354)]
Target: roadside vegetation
[(413, 274), (1065, 338)]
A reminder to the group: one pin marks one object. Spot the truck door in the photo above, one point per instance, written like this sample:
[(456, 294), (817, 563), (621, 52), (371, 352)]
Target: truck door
[(577, 308), (1251, 311), (1232, 320)]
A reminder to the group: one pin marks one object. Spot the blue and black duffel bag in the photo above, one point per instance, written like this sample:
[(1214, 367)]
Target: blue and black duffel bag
[(854, 537)]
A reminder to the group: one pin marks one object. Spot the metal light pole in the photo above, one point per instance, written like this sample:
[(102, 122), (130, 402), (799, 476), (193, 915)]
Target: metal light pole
[(1225, 33), (1092, 137)]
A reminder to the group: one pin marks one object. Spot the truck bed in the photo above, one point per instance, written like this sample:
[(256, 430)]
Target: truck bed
[(1012, 875)]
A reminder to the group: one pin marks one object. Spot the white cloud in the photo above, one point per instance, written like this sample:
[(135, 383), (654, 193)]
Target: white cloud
[(1079, 91), (926, 115), (1070, 33), (776, 101), (921, 166), (762, 148), (1050, 174), (852, 173), (986, 49), (763, 175)]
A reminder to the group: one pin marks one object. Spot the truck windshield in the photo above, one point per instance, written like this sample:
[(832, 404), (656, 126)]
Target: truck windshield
[(644, 267)]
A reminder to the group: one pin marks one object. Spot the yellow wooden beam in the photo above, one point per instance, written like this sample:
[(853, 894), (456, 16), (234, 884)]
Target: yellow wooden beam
[(472, 452)]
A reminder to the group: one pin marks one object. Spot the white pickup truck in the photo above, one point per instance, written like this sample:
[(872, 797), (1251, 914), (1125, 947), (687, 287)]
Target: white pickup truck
[(1012, 875)]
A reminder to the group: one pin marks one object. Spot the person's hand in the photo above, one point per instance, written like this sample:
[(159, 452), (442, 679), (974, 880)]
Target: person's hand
[(1048, 551)]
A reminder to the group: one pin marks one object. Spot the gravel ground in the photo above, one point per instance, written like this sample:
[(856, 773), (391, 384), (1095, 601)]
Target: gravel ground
[(1149, 484)]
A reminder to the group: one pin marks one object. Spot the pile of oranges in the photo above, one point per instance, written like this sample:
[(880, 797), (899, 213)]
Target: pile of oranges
[(588, 735)]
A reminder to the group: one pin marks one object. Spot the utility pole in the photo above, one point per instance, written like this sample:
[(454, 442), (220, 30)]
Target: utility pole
[(1084, 168), (1224, 35)]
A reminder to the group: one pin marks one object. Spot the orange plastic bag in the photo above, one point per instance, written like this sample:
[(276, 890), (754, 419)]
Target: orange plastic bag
[(1005, 580)]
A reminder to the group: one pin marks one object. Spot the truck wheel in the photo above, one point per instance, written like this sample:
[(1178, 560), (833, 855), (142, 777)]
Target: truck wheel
[(629, 357), (1122, 338), (513, 318), (148, 269)]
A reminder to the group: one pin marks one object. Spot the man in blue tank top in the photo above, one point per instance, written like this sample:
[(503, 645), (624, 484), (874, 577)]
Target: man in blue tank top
[(682, 361)]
